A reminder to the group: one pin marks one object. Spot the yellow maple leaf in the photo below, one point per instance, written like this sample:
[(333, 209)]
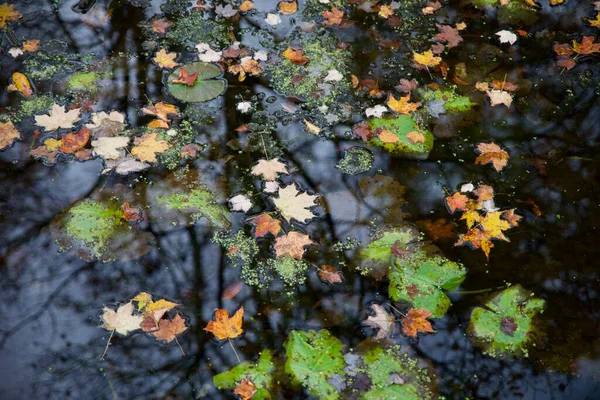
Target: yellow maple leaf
[(142, 299), (385, 11), (147, 146), (494, 226), (226, 327), (402, 105), (426, 59), (595, 22), (164, 59), (471, 217), (8, 13)]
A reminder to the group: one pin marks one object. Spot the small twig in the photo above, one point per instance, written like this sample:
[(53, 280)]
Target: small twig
[(234, 352), (398, 311), (180, 348), (107, 344)]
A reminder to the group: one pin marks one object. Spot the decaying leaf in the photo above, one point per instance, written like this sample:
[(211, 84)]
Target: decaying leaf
[(457, 201), (449, 35), (292, 244), (225, 327), (147, 146), (387, 136), (383, 321), (402, 105), (21, 84), (287, 7), (266, 224), (439, 229), (498, 97), (416, 321), (160, 26), (245, 389), (109, 147), (426, 59), (294, 204), (73, 142), (121, 321), (131, 214), (58, 118), (415, 137), (164, 59), (186, 78), (333, 17), (492, 153), (295, 56), (269, 169), (586, 46), (161, 110), (330, 274), (169, 329), (8, 134)]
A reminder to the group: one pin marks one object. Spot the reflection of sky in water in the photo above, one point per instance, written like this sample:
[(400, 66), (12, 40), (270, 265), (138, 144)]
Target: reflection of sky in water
[(51, 301)]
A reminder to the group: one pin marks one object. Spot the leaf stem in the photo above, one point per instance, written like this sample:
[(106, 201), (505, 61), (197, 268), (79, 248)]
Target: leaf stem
[(234, 352), (107, 344), (180, 348)]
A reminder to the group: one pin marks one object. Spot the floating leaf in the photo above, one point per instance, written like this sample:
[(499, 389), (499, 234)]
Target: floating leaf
[(207, 86), (333, 17), (401, 127), (58, 118), (8, 134), (312, 359), (415, 321), (492, 153), (226, 327), (505, 325), (186, 78), (266, 224), (201, 203), (121, 321), (164, 59), (287, 7), (292, 244), (259, 374), (383, 321), (146, 146), (269, 169), (22, 84), (426, 59), (169, 329), (329, 274), (294, 204), (8, 14)]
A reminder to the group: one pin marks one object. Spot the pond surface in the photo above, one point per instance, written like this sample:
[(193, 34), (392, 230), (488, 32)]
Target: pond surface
[(54, 288)]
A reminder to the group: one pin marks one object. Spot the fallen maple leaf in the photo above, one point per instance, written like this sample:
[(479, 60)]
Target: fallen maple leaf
[(245, 389), (131, 214), (8, 14), (168, 330), (498, 97), (492, 224), (8, 134), (225, 327), (402, 105), (292, 244), (146, 147), (185, 78), (416, 321), (164, 59), (457, 201), (161, 110), (595, 22), (484, 193), (385, 11), (477, 239), (415, 137), (329, 274), (269, 169), (73, 142), (294, 204), (160, 26), (426, 59), (387, 136), (492, 153), (295, 56), (512, 218), (383, 321), (109, 147), (363, 131), (287, 7), (121, 321), (58, 118), (266, 224), (587, 46), (449, 35), (333, 17), (30, 46), (431, 8)]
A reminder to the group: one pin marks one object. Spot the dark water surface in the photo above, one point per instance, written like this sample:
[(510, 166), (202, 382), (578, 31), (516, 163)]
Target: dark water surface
[(50, 335)]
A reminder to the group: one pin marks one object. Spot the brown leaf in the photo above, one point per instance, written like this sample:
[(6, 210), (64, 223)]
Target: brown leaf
[(232, 290), (587, 46), (449, 35), (266, 224), (30, 46), (415, 137), (383, 321), (492, 153), (329, 274), (160, 26), (387, 136), (333, 17), (246, 6), (131, 214), (457, 201), (363, 131), (484, 193), (8, 134), (287, 7), (185, 78), (295, 56), (161, 110), (245, 389), (477, 239), (225, 327), (416, 321), (292, 244), (438, 229), (8, 14), (73, 142), (406, 86), (512, 218), (168, 330)]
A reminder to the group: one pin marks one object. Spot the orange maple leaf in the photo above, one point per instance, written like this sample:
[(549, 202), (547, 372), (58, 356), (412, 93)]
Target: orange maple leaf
[(225, 327), (416, 321), (287, 7), (266, 224), (333, 17), (161, 110), (387, 136), (587, 46), (330, 274), (164, 59), (73, 142), (492, 153), (477, 239), (457, 201), (185, 78), (293, 244), (245, 389), (168, 330), (402, 105), (295, 56)]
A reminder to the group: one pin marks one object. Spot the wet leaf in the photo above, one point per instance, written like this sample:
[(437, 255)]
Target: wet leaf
[(506, 37), (160, 26), (225, 327), (333, 17), (287, 7), (415, 137), (8, 14), (8, 134), (449, 35), (21, 84), (164, 59), (232, 290), (505, 326), (457, 201), (295, 56), (402, 105), (498, 97), (387, 136), (186, 78), (269, 169), (132, 214), (121, 321), (58, 118), (259, 373), (169, 329), (146, 147), (109, 147), (439, 229), (266, 224), (31, 46), (73, 142), (415, 321), (426, 59), (292, 244), (161, 110), (246, 6), (586, 46), (245, 390), (383, 321), (207, 86), (491, 153), (294, 204), (329, 274)]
